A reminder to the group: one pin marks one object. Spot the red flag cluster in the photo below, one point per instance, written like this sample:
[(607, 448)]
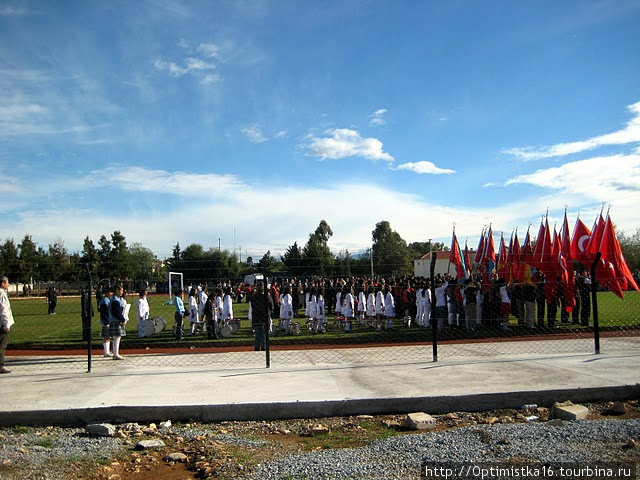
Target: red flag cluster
[(553, 254)]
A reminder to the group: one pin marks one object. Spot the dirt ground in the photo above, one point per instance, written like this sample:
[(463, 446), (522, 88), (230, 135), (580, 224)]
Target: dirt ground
[(202, 456)]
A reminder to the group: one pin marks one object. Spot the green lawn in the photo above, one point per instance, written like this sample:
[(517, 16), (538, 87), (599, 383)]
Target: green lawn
[(35, 328)]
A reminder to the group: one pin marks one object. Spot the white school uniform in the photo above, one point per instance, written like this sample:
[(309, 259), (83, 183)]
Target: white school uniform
[(193, 308), (389, 305), (371, 305), (380, 303), (348, 306), (338, 303), (227, 308), (362, 303)]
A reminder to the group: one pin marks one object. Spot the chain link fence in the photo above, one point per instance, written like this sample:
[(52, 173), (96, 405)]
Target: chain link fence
[(448, 320)]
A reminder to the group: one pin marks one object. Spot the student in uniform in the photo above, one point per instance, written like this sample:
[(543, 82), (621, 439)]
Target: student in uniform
[(286, 310), (379, 307), (143, 311), (348, 308), (389, 309)]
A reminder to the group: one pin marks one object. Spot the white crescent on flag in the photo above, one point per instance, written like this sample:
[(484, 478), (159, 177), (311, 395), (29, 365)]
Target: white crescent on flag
[(583, 241)]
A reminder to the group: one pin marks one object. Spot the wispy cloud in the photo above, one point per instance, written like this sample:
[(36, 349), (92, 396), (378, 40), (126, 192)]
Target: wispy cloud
[(629, 134), (199, 64), (180, 183), (191, 65), (13, 11), (254, 134), (425, 167), (596, 178), (209, 50), (376, 119), (343, 143)]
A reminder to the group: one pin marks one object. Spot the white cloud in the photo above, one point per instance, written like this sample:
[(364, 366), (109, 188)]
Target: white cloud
[(425, 167), (376, 118), (192, 64), (209, 50), (254, 134), (11, 11), (210, 79), (134, 208), (347, 143), (629, 134), (600, 178)]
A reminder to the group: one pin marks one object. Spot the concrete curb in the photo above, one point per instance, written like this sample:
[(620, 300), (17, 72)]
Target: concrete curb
[(287, 410)]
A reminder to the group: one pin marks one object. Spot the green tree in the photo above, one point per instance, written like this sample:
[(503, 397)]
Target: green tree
[(119, 256), (318, 258), (28, 260), (419, 249), (104, 254), (390, 253), (57, 262), (293, 260), (630, 246), (90, 256), (267, 263), (142, 261), (76, 270), (9, 261), (342, 264), (195, 265)]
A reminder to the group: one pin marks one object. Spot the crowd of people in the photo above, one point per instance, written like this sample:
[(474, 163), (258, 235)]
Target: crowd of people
[(381, 303)]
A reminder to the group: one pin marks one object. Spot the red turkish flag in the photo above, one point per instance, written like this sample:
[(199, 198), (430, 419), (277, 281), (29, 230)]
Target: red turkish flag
[(579, 241), (612, 254)]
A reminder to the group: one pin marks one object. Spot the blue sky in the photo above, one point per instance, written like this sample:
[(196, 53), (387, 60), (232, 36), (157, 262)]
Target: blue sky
[(245, 123)]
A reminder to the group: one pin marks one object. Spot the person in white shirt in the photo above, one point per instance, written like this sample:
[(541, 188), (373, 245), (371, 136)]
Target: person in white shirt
[(421, 293), (6, 320), (286, 310), (362, 305), (227, 306), (379, 307), (194, 319), (202, 301), (312, 309), (505, 303), (319, 312), (389, 308), (143, 311), (371, 306), (441, 303), (348, 308)]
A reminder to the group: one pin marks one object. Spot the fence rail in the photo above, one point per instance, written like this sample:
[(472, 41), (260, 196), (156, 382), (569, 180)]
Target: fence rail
[(43, 339)]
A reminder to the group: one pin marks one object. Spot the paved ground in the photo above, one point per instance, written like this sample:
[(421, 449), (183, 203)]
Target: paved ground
[(237, 386)]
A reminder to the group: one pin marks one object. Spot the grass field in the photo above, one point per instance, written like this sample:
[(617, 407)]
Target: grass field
[(34, 328)]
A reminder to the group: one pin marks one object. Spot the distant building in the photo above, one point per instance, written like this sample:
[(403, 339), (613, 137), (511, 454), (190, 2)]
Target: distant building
[(422, 265)]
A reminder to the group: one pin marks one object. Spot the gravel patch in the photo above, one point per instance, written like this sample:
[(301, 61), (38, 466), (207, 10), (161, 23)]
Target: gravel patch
[(234, 449), (402, 457), (50, 453)]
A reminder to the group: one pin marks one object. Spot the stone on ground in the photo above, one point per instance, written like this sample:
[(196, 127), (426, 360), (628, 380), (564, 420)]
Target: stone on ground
[(419, 421)]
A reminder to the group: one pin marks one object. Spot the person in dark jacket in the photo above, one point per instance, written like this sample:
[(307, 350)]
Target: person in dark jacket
[(261, 310)]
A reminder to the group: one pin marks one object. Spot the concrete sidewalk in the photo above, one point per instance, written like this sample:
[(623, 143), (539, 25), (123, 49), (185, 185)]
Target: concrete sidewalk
[(299, 385)]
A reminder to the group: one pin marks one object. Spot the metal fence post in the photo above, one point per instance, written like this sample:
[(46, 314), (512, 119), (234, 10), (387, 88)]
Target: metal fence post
[(267, 326), (594, 301), (434, 326), (82, 307)]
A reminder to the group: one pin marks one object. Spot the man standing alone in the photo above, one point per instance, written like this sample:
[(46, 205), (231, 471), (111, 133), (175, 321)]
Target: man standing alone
[(261, 309), (6, 320)]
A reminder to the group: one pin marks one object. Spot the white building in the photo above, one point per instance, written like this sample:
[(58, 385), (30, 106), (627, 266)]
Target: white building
[(422, 265)]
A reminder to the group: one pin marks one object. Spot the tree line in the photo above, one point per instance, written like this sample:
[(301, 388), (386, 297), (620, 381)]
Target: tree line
[(112, 258)]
